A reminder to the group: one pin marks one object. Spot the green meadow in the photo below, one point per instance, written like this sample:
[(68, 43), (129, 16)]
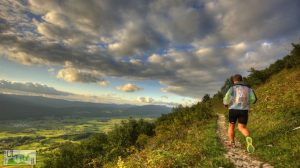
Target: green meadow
[(48, 134)]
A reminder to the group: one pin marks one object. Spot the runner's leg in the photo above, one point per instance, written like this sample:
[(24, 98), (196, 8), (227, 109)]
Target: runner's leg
[(232, 116), (231, 132), (243, 129)]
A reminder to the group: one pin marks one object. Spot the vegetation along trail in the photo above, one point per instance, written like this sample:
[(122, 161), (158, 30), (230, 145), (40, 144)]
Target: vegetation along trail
[(240, 157)]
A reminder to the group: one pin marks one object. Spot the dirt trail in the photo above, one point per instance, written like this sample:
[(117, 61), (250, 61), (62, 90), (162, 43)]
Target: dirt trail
[(240, 157)]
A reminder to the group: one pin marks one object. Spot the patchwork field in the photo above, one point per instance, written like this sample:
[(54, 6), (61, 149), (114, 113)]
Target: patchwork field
[(48, 134)]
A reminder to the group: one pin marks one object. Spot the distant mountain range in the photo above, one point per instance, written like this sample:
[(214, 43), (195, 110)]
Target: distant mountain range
[(13, 107)]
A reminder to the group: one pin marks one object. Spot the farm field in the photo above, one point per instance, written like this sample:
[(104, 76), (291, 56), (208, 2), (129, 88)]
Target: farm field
[(47, 134)]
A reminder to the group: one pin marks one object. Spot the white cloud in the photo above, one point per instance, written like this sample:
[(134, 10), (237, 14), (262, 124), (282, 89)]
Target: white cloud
[(129, 87), (204, 51), (71, 74), (103, 83), (155, 58), (145, 99), (239, 46), (135, 61), (55, 18)]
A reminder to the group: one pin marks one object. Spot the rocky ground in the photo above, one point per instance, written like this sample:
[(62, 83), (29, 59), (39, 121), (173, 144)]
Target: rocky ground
[(239, 156)]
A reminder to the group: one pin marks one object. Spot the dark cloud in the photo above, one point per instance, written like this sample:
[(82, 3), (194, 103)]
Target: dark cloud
[(29, 87), (189, 46), (180, 21), (256, 20)]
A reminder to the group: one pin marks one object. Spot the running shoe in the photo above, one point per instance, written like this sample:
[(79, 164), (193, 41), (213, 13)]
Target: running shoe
[(250, 147)]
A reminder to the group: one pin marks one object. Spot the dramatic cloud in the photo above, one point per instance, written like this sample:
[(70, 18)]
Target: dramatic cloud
[(29, 87), (256, 20), (134, 39), (129, 87), (190, 46)]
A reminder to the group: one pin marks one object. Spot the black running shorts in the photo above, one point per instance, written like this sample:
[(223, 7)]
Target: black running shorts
[(240, 115)]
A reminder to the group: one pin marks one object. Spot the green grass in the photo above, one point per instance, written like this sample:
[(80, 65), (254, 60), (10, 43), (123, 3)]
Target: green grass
[(179, 146), (273, 118)]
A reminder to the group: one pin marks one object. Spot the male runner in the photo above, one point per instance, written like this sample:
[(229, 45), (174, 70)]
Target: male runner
[(237, 99)]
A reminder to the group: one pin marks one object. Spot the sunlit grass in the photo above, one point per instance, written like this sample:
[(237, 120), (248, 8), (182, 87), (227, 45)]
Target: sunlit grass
[(273, 118), (178, 146)]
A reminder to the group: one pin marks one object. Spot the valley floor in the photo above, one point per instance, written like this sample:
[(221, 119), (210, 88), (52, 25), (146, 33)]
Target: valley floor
[(46, 135)]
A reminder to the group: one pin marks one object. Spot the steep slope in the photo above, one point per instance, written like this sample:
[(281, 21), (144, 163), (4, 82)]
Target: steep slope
[(184, 138), (273, 121)]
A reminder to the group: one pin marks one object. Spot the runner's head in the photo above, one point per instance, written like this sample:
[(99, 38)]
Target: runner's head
[(237, 78)]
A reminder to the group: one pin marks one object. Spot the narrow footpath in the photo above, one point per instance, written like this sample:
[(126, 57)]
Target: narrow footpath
[(240, 157)]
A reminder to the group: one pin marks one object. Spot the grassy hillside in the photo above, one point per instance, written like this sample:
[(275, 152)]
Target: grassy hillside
[(185, 138), (194, 146), (274, 117)]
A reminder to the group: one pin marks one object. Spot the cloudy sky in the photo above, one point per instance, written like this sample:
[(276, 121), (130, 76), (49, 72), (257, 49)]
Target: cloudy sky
[(139, 52)]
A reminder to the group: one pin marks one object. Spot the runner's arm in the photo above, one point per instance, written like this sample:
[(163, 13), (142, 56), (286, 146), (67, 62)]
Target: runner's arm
[(227, 97), (252, 97)]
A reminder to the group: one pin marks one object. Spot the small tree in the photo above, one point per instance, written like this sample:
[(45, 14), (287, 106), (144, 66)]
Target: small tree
[(205, 98)]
